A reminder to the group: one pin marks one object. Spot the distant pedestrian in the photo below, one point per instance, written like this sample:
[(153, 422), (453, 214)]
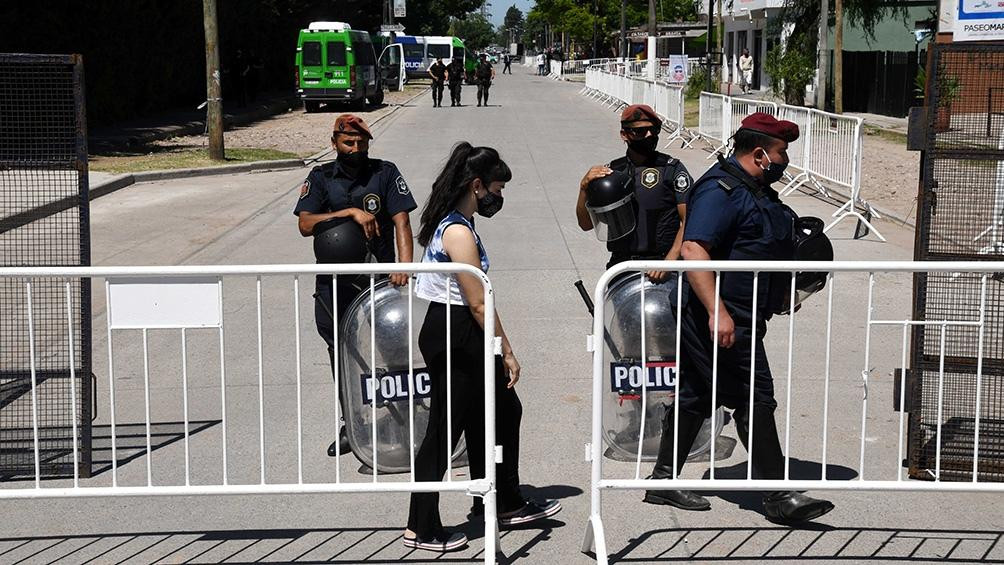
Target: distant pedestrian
[(540, 64), (484, 74), (746, 71), (437, 71), (455, 76), (507, 62)]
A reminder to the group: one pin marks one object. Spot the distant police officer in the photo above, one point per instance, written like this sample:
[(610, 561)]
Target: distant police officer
[(507, 64), (455, 76), (484, 74), (370, 192), (736, 215), (660, 187), (437, 71)]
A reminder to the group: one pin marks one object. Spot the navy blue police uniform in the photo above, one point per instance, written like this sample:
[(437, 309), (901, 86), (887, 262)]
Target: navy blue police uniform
[(739, 219), (379, 189), (660, 184)]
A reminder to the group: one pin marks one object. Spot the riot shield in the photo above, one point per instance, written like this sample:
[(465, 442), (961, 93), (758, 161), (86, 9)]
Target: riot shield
[(393, 380), (622, 400)]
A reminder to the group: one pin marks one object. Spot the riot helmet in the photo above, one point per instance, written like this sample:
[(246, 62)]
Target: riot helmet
[(610, 204), (340, 240), (809, 244)]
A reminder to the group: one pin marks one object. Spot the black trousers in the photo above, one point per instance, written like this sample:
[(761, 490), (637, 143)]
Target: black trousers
[(483, 87), (437, 92), (456, 86), (696, 362), (468, 411), (507, 67)]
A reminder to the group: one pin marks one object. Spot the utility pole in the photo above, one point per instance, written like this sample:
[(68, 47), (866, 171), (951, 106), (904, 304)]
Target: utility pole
[(214, 92), (707, 44), (624, 46), (653, 30), (838, 57), (596, 16), (824, 53)]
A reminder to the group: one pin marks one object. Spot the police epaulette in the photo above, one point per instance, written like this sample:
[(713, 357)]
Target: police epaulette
[(728, 186)]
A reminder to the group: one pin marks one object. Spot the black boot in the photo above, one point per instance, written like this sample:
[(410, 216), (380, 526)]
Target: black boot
[(785, 507), (690, 425)]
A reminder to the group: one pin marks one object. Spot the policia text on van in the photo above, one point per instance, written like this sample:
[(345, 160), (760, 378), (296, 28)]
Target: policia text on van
[(335, 63)]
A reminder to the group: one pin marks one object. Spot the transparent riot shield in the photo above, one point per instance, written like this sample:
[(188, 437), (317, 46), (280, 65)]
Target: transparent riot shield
[(622, 400), (390, 388)]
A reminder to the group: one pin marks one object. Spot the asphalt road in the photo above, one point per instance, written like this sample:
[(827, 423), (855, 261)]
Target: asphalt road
[(549, 135)]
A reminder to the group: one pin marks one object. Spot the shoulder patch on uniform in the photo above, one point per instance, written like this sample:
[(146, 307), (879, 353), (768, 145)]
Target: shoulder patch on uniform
[(650, 177), (682, 182), (371, 203), (402, 186), (304, 189)]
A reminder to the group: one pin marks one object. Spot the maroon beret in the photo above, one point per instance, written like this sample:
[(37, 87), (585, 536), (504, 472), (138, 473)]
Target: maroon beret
[(638, 113), (766, 124), (351, 124)]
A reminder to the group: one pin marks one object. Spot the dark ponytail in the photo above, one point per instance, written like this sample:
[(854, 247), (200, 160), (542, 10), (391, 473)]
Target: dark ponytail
[(465, 164)]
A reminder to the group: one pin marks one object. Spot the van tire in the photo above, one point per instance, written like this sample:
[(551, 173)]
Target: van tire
[(311, 106), (377, 98)]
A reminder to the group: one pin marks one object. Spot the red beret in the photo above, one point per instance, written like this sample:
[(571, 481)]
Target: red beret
[(640, 112), (351, 124), (766, 124)]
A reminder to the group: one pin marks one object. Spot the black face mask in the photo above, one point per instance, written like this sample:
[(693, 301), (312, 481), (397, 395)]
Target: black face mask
[(645, 146), (352, 160), (490, 204), (774, 171)]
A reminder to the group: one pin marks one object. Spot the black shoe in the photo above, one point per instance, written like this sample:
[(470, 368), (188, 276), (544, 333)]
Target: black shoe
[(682, 499), (441, 542), (531, 512), (342, 444), (479, 104), (793, 507)]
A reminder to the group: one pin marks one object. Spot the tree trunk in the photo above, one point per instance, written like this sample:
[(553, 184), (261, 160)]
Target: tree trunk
[(214, 92), (824, 51), (838, 56)]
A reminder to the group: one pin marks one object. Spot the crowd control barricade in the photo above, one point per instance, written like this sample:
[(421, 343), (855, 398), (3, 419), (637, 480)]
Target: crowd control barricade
[(713, 121), (218, 384), (739, 108), (798, 150), (839, 364)]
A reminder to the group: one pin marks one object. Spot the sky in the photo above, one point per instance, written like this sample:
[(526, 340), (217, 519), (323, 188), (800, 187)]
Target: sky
[(499, 7)]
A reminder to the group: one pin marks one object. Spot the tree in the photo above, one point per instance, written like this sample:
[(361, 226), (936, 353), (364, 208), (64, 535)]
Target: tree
[(514, 21), (476, 31)]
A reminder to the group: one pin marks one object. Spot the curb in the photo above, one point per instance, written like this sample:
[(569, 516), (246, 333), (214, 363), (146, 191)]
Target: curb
[(129, 179)]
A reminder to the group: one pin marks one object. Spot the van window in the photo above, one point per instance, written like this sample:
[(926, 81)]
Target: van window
[(438, 51), (336, 54), (414, 50), (311, 53)]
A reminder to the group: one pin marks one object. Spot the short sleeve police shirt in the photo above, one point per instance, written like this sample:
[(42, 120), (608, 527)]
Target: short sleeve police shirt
[(379, 189), (660, 185)]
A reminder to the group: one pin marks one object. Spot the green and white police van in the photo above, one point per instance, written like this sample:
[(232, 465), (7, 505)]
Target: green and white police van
[(335, 63), (449, 47)]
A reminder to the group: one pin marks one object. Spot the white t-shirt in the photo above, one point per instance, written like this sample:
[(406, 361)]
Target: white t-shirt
[(745, 63)]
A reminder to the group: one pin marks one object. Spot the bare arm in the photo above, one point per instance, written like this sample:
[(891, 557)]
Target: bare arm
[(703, 283), (307, 220), (458, 241), (405, 245)]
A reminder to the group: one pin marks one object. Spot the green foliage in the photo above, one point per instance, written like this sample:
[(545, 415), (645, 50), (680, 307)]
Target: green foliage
[(790, 71), (698, 82), (476, 31), (948, 86)]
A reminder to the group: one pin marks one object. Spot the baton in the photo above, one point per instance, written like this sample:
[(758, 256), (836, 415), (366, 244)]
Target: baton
[(614, 350)]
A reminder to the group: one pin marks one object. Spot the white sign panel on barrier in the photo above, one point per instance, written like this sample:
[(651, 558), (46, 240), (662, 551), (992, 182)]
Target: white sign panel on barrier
[(164, 302)]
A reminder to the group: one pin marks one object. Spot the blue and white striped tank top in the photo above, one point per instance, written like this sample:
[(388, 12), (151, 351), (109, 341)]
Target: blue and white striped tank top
[(435, 286)]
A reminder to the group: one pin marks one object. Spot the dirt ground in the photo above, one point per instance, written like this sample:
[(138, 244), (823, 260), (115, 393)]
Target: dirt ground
[(296, 131), (889, 176)]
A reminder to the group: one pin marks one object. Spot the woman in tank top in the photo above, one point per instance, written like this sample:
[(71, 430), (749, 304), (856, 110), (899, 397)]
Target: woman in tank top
[(472, 181)]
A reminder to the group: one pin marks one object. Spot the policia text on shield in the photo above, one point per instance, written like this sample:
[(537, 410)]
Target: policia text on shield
[(354, 207), (471, 181), (736, 215)]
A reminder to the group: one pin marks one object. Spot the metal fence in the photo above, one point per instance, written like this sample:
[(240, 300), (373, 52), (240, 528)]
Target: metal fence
[(209, 385), (612, 84), (44, 221), (853, 354)]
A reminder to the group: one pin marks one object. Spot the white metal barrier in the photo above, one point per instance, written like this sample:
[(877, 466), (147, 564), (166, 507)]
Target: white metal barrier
[(176, 317), (612, 83), (871, 339), (828, 148)]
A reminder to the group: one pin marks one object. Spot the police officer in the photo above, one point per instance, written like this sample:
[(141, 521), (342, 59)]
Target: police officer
[(735, 215), (437, 71), (485, 74), (507, 62), (661, 184), (370, 192), (455, 76)]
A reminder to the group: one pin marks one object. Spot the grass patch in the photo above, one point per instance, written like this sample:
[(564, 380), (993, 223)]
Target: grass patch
[(888, 135), (181, 158), (691, 112)]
